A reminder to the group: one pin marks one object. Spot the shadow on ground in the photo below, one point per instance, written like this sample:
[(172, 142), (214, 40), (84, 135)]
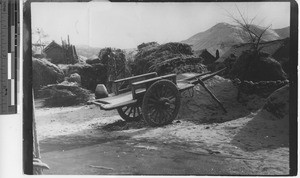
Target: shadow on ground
[(262, 132), (76, 140)]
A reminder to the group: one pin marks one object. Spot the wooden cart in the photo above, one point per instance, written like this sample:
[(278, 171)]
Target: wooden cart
[(154, 98)]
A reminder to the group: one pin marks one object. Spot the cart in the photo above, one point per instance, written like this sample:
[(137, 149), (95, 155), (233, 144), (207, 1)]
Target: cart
[(154, 98)]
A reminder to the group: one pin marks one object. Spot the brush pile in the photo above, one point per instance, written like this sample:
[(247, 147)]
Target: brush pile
[(257, 67), (114, 62), (278, 103), (44, 73), (90, 75), (64, 94)]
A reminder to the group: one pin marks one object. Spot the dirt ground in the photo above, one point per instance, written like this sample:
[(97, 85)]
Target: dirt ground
[(203, 140)]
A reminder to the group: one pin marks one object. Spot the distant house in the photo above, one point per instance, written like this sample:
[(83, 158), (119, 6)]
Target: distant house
[(61, 54), (207, 57)]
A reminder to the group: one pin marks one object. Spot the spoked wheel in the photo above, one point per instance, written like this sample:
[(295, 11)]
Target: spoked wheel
[(161, 103), (131, 113)]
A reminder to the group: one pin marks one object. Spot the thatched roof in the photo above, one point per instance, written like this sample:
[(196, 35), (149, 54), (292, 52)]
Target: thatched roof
[(208, 58), (67, 53), (53, 44)]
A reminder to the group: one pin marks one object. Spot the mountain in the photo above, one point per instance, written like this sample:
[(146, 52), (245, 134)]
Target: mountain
[(223, 35), (283, 32)]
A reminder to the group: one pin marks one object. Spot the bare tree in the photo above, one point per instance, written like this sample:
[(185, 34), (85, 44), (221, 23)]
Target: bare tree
[(40, 36), (254, 35)]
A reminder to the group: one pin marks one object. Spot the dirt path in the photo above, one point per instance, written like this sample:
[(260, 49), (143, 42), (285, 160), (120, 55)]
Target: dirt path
[(202, 141), (128, 157)]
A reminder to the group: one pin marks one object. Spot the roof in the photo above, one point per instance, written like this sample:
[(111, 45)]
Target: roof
[(207, 56), (270, 47), (52, 45)]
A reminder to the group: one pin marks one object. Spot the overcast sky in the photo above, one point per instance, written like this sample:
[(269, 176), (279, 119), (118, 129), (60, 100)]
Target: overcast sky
[(126, 25)]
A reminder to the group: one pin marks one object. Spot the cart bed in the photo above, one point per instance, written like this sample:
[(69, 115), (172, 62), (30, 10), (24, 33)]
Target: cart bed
[(126, 99)]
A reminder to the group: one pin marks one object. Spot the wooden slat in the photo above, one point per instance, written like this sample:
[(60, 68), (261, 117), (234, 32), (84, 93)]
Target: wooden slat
[(136, 77), (116, 101), (116, 98), (114, 106), (153, 79)]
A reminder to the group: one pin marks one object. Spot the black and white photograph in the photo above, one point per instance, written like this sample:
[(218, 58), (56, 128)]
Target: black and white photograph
[(152, 88)]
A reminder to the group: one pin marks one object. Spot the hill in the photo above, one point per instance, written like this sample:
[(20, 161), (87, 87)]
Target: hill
[(87, 51), (223, 35), (283, 32)]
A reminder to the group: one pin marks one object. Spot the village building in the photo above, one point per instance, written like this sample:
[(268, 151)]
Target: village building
[(207, 57), (61, 54)]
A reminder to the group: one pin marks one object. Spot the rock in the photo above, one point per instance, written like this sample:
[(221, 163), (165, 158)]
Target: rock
[(101, 91)]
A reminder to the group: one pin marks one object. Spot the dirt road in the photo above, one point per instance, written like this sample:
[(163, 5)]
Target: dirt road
[(202, 141), (128, 157)]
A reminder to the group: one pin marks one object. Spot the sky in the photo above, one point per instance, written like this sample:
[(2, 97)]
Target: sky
[(126, 25)]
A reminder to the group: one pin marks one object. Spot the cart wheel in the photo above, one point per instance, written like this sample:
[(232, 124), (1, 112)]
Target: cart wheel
[(161, 103), (130, 113)]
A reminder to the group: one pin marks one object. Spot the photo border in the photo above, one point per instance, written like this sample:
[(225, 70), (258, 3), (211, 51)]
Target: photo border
[(27, 79)]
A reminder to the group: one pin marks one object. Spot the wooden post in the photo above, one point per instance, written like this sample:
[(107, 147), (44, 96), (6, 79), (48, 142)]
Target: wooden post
[(38, 165), (36, 147), (212, 95)]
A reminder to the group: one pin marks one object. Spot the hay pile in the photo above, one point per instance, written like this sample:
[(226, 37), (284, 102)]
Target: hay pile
[(253, 67), (90, 75), (110, 65), (115, 64), (179, 65), (69, 69), (165, 58), (278, 103), (150, 44), (93, 61), (44, 73), (74, 78), (64, 94), (201, 108)]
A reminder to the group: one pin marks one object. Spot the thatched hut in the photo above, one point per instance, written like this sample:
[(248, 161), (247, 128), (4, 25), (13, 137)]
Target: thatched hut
[(61, 54)]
